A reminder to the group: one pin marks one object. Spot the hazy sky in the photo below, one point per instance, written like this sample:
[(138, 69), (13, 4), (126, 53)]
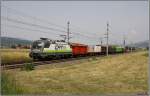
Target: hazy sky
[(87, 20)]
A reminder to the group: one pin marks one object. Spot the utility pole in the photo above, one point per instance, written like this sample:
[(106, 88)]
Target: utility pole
[(68, 32), (107, 36), (101, 40), (131, 45), (124, 41)]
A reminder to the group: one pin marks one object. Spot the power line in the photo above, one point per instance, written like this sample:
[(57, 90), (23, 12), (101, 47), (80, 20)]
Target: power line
[(31, 24), (79, 29), (41, 31), (79, 34), (101, 40), (39, 26), (33, 17), (91, 35)]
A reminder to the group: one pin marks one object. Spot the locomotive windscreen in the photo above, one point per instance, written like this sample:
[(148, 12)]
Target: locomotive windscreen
[(37, 45)]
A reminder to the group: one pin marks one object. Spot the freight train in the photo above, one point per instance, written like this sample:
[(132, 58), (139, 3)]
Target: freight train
[(47, 48)]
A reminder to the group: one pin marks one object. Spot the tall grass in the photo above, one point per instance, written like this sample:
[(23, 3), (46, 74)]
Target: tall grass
[(124, 73), (8, 85), (11, 56)]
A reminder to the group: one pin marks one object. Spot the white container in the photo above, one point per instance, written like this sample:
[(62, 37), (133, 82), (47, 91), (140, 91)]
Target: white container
[(97, 48)]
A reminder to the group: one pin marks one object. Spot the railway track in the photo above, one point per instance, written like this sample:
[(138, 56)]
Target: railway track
[(36, 63)]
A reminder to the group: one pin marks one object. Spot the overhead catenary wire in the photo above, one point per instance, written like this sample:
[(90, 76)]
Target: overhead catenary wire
[(82, 30), (41, 31), (33, 17), (89, 37), (45, 27), (48, 22), (31, 24)]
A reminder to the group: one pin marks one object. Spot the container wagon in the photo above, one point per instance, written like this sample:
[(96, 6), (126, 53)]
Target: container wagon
[(111, 49), (79, 49), (94, 50), (97, 49), (103, 50), (119, 49)]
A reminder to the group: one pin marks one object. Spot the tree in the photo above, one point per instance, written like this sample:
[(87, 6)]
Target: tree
[(13, 46)]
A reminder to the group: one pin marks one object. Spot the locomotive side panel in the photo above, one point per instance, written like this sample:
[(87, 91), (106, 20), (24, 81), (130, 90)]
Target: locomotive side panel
[(58, 50)]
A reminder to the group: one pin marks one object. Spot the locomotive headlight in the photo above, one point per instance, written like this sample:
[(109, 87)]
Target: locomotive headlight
[(36, 50)]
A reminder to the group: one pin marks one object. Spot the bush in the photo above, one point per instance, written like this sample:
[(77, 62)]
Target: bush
[(28, 67), (13, 46), (146, 54), (8, 85), (94, 58)]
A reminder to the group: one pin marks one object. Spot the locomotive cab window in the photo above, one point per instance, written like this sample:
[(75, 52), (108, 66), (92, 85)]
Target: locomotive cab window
[(37, 45), (47, 44)]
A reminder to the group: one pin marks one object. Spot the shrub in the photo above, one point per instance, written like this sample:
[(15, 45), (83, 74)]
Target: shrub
[(28, 67), (94, 58), (146, 54)]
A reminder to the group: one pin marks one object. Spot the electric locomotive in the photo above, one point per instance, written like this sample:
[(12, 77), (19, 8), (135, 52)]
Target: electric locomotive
[(47, 48)]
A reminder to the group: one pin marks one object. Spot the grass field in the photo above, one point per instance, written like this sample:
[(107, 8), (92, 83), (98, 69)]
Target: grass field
[(124, 73), (8, 85), (10, 56)]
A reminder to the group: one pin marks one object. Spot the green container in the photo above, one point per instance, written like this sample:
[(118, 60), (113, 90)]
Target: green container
[(119, 49)]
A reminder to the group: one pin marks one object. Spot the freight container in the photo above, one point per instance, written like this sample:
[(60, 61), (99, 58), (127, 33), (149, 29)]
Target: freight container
[(97, 49), (111, 49), (103, 49), (119, 50), (79, 49), (93, 50)]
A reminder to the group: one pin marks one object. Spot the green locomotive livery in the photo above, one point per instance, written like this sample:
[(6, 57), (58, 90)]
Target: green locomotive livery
[(46, 48)]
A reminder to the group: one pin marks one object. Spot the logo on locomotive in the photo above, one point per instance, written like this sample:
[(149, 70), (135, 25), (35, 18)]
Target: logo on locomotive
[(60, 47)]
